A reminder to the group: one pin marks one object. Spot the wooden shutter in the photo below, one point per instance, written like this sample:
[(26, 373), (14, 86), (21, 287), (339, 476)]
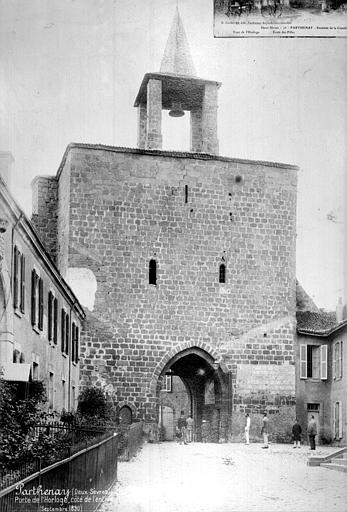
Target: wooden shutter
[(341, 361), (334, 361), (15, 276), (77, 344), (73, 337), (303, 361), (50, 316), (324, 362), (33, 297), (340, 421), (22, 284), (55, 321), (67, 334), (63, 314), (40, 304)]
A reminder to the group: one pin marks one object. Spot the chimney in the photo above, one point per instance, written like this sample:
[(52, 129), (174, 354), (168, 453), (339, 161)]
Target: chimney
[(339, 311), (6, 161)]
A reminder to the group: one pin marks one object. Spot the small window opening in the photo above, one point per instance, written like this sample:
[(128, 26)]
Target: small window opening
[(186, 193), (222, 273), (152, 272)]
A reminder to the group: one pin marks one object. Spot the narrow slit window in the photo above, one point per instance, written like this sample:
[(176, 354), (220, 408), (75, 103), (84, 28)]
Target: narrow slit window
[(152, 272), (186, 193), (222, 271)]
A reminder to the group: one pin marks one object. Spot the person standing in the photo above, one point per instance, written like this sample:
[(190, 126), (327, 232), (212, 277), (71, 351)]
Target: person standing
[(182, 427), (247, 427), (265, 430), (190, 427), (296, 431), (312, 432)]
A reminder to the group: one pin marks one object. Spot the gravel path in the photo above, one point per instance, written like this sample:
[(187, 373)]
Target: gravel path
[(201, 477)]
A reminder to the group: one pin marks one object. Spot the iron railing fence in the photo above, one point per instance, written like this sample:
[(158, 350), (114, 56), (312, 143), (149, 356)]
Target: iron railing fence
[(79, 483), (68, 439)]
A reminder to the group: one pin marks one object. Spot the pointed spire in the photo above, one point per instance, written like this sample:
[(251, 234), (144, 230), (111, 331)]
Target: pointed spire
[(177, 58)]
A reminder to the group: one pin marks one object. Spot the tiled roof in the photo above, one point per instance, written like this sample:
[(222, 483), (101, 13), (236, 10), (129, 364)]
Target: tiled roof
[(320, 323)]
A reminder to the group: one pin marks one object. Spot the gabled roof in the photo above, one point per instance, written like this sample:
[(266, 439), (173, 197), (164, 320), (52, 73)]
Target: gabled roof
[(318, 323), (177, 58)]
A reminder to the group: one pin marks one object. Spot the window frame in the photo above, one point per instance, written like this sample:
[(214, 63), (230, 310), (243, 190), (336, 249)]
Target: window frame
[(304, 361), (338, 360)]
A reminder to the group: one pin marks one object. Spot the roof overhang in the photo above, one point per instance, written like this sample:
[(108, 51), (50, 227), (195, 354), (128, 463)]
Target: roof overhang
[(17, 372), (186, 89), (322, 334)]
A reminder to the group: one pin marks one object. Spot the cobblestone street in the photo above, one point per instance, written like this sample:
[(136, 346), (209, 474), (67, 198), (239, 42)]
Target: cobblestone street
[(223, 478)]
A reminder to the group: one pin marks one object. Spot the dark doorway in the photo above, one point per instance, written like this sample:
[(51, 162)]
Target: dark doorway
[(207, 389), (125, 415)]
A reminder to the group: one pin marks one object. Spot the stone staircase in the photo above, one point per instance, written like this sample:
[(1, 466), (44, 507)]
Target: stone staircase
[(336, 460)]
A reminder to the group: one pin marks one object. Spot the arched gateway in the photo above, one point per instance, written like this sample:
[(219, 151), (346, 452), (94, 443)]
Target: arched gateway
[(208, 389)]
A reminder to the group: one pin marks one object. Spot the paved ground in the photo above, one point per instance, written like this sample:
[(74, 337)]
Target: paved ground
[(201, 477)]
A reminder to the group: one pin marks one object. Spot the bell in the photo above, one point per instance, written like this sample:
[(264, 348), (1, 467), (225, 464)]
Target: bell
[(176, 109)]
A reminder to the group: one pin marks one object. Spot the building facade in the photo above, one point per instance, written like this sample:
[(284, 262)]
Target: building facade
[(185, 262), (321, 383), (41, 318)]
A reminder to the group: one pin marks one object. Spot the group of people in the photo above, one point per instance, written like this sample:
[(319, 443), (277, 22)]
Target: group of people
[(296, 432), (185, 431), (185, 428)]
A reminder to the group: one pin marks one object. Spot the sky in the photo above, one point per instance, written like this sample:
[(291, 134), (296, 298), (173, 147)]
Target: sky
[(70, 71)]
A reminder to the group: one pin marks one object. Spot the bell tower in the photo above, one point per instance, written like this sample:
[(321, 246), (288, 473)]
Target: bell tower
[(176, 88)]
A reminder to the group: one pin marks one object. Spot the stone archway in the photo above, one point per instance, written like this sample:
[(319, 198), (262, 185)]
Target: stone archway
[(198, 370)]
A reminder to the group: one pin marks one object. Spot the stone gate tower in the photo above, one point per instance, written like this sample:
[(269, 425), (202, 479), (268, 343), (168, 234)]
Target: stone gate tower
[(185, 261)]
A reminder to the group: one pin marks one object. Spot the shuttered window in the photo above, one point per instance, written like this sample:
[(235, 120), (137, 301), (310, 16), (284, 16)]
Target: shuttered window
[(73, 328), (62, 330), (67, 333), (40, 320), (74, 343), (50, 315), (34, 279), (55, 321), (22, 284), (338, 420), (337, 360), (324, 362), (15, 276), (303, 361), (77, 341)]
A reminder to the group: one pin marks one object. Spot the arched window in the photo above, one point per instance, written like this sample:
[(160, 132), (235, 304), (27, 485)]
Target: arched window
[(222, 270), (152, 272)]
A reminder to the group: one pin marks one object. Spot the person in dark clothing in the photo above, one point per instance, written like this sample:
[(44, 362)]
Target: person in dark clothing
[(182, 428), (312, 432), (296, 430)]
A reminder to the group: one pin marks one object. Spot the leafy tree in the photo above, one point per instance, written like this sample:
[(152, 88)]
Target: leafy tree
[(92, 403), (18, 417)]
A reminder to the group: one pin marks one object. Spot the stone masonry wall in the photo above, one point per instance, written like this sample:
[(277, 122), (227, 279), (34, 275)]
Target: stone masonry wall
[(126, 208), (44, 211)]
